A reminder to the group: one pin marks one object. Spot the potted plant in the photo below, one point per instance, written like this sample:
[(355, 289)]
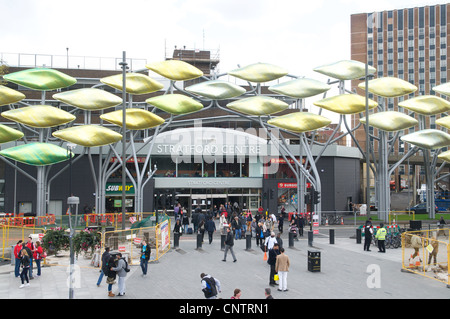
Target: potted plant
[(55, 240), (86, 241)]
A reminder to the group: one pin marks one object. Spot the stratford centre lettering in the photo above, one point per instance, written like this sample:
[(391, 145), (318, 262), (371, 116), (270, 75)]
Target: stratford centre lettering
[(209, 149)]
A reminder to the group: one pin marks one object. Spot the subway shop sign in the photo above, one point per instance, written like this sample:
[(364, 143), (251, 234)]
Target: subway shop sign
[(113, 189)]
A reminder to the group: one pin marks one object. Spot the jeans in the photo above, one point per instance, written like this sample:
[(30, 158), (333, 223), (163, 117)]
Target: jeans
[(144, 266), (237, 233), (24, 275), (31, 268), (38, 265), (100, 278), (282, 275), (17, 267)]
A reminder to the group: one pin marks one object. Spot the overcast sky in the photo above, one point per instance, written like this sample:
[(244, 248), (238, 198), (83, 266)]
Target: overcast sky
[(297, 35)]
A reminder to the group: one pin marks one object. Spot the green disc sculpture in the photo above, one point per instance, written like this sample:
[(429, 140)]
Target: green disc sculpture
[(300, 122), (37, 154), (88, 135), (258, 105), (300, 88), (216, 90), (259, 72), (90, 99), (40, 116), (175, 70), (175, 104), (136, 119), (8, 134), (390, 121), (136, 83), (345, 70), (41, 79), (10, 96)]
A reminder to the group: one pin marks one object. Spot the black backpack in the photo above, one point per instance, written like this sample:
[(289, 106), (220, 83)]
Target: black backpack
[(210, 289), (127, 268)]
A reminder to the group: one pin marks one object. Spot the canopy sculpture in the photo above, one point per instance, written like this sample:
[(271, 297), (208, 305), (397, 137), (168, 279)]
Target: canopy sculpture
[(38, 119), (389, 125), (272, 113), (430, 141)]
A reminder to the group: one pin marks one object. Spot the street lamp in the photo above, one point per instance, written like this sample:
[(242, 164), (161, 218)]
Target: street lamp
[(71, 201)]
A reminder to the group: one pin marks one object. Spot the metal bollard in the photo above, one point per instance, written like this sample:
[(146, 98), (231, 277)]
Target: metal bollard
[(248, 244), (199, 241), (358, 235), (222, 241), (291, 239), (331, 236), (310, 238), (176, 240)]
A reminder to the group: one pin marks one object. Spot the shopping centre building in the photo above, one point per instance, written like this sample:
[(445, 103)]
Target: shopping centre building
[(205, 159)]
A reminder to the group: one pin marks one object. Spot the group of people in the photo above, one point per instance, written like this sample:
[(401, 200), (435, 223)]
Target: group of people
[(115, 266), (25, 254)]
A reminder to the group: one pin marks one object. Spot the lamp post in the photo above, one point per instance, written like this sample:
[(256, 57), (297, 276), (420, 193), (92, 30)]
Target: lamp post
[(71, 201)]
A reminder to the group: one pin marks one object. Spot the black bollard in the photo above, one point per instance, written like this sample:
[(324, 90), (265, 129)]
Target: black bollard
[(291, 239), (331, 236), (222, 241), (358, 235), (248, 243), (176, 240), (310, 238), (199, 241)]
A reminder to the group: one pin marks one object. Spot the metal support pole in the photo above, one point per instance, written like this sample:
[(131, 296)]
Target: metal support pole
[(123, 64)]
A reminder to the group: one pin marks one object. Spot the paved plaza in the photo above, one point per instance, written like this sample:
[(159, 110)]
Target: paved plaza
[(346, 272)]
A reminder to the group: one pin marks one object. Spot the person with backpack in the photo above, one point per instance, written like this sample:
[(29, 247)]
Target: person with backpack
[(30, 245), (122, 269), (210, 286)]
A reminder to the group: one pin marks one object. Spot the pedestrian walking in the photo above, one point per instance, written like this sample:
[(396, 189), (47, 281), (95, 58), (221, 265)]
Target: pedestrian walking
[(121, 270), (229, 243), (145, 257), (210, 286), (25, 261), (441, 224), (271, 260), (282, 268), (381, 237), (236, 225), (210, 227), (185, 222), (17, 249), (104, 270)]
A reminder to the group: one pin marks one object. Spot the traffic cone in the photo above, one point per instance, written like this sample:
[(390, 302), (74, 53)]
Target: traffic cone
[(265, 256), (342, 220), (326, 221)]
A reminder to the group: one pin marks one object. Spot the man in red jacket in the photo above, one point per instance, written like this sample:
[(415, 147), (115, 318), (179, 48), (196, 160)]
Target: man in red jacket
[(17, 250)]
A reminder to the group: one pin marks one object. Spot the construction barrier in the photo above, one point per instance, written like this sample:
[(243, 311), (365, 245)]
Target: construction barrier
[(111, 220), (128, 241), (12, 234), (427, 253), (33, 222)]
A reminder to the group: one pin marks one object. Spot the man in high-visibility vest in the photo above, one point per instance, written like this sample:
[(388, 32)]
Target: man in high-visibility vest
[(381, 237)]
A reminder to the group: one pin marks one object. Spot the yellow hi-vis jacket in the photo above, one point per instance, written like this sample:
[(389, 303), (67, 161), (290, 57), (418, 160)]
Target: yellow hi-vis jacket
[(381, 234)]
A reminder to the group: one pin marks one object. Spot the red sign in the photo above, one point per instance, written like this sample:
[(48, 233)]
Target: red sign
[(287, 185)]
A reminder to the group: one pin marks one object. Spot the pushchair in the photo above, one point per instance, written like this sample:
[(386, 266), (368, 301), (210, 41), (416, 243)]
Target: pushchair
[(294, 230)]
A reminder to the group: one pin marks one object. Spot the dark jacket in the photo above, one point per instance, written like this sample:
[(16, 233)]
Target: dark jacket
[(146, 252), (25, 261), (230, 239), (210, 226), (272, 259), (105, 258)]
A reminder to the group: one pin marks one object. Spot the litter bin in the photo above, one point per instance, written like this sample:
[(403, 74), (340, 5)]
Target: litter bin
[(313, 260), (415, 224)]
